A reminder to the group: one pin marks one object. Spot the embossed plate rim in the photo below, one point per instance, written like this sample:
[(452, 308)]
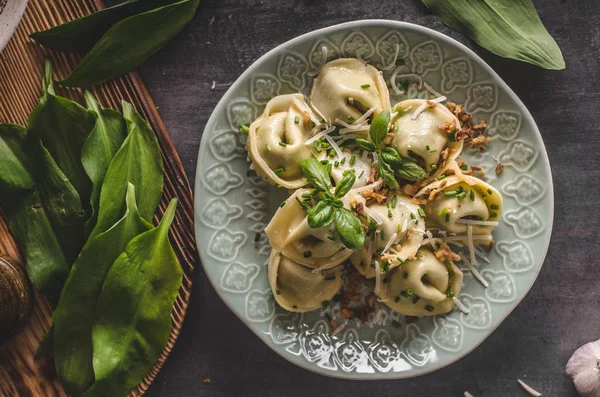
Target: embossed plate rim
[(323, 33)]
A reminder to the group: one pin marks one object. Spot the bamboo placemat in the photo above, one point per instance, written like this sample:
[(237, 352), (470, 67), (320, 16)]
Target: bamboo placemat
[(21, 69)]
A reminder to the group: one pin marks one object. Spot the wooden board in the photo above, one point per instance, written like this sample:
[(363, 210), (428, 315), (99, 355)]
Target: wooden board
[(21, 69)]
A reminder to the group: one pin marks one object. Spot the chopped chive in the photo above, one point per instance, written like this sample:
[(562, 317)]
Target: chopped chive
[(244, 129), (421, 213), (416, 221), (351, 118), (257, 237), (278, 292), (493, 214), (404, 294), (343, 160), (443, 212), (427, 148), (461, 195), (409, 292), (279, 170), (447, 217), (399, 228), (394, 201), (330, 237), (400, 259), (352, 159), (472, 195), (405, 275), (413, 154), (268, 147), (297, 120), (429, 308), (307, 254), (433, 151), (283, 203), (464, 166), (282, 143), (441, 177), (373, 265), (494, 207), (361, 174), (460, 189), (489, 192), (385, 266), (295, 307), (329, 168), (280, 254), (450, 193), (382, 235), (415, 299), (389, 213), (306, 196), (331, 154), (433, 166), (325, 162), (412, 216), (365, 86), (312, 124), (336, 164), (397, 299), (330, 277)]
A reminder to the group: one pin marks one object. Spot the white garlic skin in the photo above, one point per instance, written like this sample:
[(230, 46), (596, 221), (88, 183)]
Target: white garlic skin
[(584, 368)]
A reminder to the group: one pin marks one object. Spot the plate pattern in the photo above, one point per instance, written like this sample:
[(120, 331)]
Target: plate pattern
[(233, 205)]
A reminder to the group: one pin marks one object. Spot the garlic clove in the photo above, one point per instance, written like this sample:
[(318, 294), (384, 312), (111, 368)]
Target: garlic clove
[(584, 368)]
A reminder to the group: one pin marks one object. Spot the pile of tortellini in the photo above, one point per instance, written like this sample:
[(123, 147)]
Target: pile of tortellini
[(403, 231)]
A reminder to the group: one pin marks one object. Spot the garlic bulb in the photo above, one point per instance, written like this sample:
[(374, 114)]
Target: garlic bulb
[(584, 368)]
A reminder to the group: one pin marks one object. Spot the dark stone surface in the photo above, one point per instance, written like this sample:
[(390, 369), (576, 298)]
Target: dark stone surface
[(558, 315)]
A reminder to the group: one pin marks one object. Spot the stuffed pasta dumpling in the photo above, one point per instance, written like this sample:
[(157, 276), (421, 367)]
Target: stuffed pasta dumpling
[(423, 286), (277, 141), (347, 88)]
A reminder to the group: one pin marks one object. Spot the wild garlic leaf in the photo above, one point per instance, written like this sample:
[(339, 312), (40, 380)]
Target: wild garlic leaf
[(509, 29), (74, 316), (379, 127), (133, 313), (99, 149), (345, 184), (81, 34), (365, 145), (316, 174), (138, 161), (411, 171), (349, 228), (130, 42), (320, 215)]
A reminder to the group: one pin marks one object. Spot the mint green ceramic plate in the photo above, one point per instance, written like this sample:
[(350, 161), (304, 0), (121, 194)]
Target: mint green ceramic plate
[(232, 206)]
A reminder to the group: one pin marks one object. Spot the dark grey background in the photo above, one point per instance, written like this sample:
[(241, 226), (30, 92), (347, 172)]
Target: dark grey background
[(559, 314)]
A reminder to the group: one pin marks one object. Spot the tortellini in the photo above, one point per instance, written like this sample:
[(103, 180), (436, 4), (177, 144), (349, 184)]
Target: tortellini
[(461, 201), (277, 141), (362, 169), (422, 287), (290, 234), (405, 221), (297, 288), (426, 136), (347, 88)]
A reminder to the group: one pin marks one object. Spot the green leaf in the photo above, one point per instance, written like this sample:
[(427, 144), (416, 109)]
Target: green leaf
[(81, 34), (387, 174), (365, 145), (379, 127), (317, 175), (349, 228), (130, 42), (411, 171), (508, 29), (391, 156), (74, 316), (345, 184), (320, 215), (133, 313), (43, 210), (139, 162), (63, 126), (100, 147)]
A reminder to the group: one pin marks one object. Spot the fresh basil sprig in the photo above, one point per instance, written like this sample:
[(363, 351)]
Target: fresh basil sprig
[(331, 208), (390, 161)]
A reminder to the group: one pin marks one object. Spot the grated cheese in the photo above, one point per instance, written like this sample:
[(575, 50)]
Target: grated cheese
[(377, 278), (350, 101), (529, 389), (467, 394), (303, 106), (370, 249), (393, 63), (348, 130), (431, 90), (319, 135), (462, 237), (318, 112), (339, 254), (335, 147), (430, 239), (389, 243), (425, 106), (373, 186), (338, 329), (375, 159), (471, 245), (482, 255), (365, 116), (478, 223), (460, 305), (321, 268), (475, 272), (393, 80), (404, 225), (373, 216), (321, 62)]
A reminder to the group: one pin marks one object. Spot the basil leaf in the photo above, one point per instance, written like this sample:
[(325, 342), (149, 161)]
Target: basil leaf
[(510, 30), (74, 316), (139, 162), (345, 184), (387, 174), (349, 228), (133, 313), (317, 175), (411, 171), (80, 35), (320, 215), (365, 145), (391, 156), (99, 149), (130, 42), (379, 127), (63, 126)]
